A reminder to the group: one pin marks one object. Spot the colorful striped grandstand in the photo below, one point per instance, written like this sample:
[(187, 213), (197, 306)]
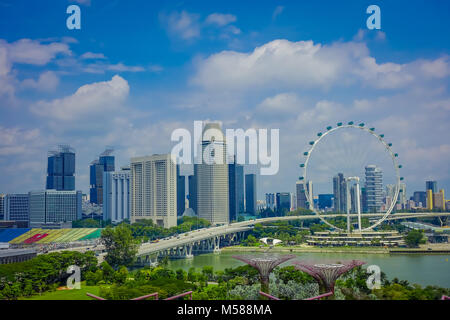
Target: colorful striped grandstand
[(47, 236)]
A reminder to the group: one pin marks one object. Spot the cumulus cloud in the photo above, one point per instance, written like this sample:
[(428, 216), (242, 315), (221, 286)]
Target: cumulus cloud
[(182, 24), (88, 100), (282, 63)]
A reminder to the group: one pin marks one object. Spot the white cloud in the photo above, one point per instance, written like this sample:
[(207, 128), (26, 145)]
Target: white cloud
[(87, 101), (278, 10), (92, 55), (220, 19), (182, 24), (47, 81)]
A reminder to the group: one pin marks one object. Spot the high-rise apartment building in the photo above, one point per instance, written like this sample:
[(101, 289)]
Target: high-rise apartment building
[(52, 206), (105, 163), (61, 169), (212, 177), (154, 190), (116, 195), (181, 192), (17, 207), (250, 193), (374, 188)]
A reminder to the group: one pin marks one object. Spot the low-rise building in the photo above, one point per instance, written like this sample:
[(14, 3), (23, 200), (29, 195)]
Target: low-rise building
[(365, 238)]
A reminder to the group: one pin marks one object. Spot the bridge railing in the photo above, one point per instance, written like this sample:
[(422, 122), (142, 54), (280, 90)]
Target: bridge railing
[(94, 296), (189, 293), (154, 294), (312, 298), (268, 296)]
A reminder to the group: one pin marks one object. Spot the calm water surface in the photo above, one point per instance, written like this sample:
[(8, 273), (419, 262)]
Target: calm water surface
[(420, 269)]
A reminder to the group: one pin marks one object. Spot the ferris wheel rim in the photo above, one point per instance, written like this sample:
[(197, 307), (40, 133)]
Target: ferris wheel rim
[(388, 147)]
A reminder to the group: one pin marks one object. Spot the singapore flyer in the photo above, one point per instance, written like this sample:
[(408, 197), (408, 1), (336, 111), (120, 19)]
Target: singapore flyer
[(355, 168)]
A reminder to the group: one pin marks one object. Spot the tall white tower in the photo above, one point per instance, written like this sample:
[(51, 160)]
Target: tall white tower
[(212, 176), (154, 190)]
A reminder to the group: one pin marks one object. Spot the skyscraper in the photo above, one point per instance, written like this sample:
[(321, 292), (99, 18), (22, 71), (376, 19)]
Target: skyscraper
[(2, 206), (431, 185), (325, 201), (374, 188), (232, 191), (270, 201), (52, 206), (61, 169), (192, 193), (420, 198), (250, 193), (154, 190), (340, 193), (105, 163), (116, 195), (181, 192), (240, 188), (302, 201), (212, 177)]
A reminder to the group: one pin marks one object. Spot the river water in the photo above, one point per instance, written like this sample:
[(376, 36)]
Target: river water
[(420, 269)]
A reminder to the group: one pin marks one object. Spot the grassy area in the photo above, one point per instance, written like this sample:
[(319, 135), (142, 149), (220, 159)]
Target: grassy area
[(73, 294)]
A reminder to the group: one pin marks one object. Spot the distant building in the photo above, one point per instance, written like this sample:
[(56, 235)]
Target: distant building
[(340, 193), (420, 198), (431, 185), (439, 200), (250, 194), (325, 201), (212, 177), (154, 190), (61, 169), (374, 188), (283, 201), (232, 192), (429, 199), (105, 163), (270, 201), (293, 201), (17, 207), (2, 206), (49, 207), (192, 193), (181, 192), (302, 201), (116, 195)]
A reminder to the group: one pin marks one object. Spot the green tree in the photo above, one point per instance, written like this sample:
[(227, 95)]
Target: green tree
[(414, 238), (121, 247)]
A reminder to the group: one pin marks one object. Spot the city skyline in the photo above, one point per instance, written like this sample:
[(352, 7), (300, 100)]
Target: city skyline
[(130, 93)]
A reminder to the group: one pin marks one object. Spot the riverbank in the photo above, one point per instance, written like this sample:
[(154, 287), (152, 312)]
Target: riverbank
[(423, 249)]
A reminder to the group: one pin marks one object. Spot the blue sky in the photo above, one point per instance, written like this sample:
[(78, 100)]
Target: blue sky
[(145, 68)]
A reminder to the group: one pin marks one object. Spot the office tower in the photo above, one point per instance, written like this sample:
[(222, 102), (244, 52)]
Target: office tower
[(431, 185), (181, 192), (192, 193), (439, 200), (250, 194), (283, 201), (105, 163), (325, 201), (61, 169), (212, 177), (154, 190), (302, 201), (364, 200), (232, 191), (293, 201), (2, 206), (430, 199), (420, 198), (17, 207), (270, 201), (340, 193), (52, 206), (116, 195), (374, 188)]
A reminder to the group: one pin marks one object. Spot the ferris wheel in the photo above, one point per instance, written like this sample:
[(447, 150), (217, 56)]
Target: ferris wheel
[(380, 140)]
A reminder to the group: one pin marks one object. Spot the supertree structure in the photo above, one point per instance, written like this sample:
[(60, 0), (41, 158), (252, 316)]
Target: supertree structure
[(326, 274), (264, 263)]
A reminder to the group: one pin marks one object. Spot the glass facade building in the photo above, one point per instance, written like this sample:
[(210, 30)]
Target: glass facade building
[(181, 192), (17, 207), (105, 163), (250, 194), (373, 188), (61, 169)]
